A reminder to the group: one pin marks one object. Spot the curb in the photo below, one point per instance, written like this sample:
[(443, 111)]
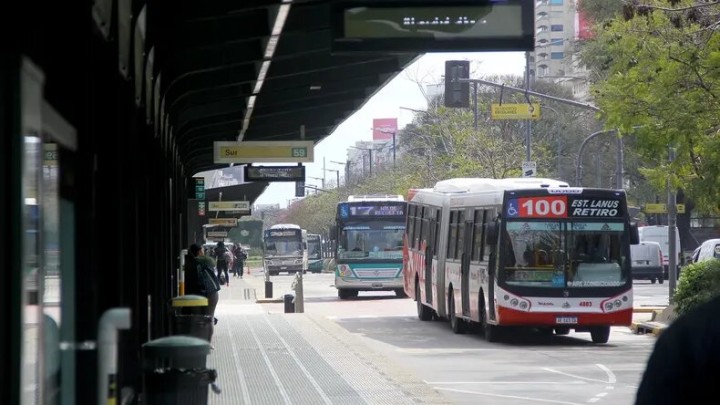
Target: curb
[(268, 300), (647, 310), (645, 328)]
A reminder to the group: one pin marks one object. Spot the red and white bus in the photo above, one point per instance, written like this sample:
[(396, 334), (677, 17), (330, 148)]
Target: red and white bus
[(520, 252)]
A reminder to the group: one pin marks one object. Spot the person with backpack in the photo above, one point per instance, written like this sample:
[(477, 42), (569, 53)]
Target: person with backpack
[(223, 259), (200, 279), (239, 263)]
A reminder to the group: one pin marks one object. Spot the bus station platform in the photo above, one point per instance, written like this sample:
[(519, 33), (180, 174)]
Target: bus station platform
[(300, 358)]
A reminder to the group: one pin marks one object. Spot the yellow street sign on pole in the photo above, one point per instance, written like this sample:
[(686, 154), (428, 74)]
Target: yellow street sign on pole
[(656, 208), (263, 151), (522, 111)]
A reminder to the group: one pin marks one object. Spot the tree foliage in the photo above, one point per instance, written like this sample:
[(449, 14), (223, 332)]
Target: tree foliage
[(662, 85)]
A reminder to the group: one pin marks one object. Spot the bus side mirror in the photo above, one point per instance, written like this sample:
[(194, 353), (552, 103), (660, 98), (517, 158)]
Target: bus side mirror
[(634, 234), (491, 233)]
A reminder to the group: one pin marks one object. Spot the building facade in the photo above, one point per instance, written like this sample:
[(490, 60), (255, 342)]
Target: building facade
[(559, 27)]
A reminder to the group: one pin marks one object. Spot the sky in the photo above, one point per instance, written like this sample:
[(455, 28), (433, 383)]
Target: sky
[(401, 91)]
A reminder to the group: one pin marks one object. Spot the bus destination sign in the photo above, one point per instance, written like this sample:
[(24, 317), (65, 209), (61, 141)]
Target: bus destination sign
[(383, 210), (563, 206), (273, 234)]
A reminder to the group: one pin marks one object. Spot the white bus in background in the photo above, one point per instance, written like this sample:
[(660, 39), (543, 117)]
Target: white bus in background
[(285, 249), (659, 234)]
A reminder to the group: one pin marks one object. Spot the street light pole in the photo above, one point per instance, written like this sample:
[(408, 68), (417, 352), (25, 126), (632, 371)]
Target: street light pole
[(578, 169)]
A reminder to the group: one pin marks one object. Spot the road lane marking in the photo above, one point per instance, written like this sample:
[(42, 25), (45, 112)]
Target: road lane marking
[(552, 370), (549, 401), (610, 374), (572, 382)]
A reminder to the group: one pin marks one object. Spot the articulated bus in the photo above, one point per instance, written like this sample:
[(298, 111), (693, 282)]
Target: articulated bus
[(369, 244), (285, 249), (520, 252)]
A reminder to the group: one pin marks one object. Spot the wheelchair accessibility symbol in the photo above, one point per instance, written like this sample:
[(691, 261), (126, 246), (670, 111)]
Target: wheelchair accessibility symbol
[(511, 209)]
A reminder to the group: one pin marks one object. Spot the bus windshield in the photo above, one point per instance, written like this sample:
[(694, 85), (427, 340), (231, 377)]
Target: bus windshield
[(562, 254), (283, 247), (314, 248), (371, 240)]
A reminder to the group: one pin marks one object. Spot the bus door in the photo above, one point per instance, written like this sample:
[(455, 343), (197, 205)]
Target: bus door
[(429, 253), (493, 267), (465, 267)]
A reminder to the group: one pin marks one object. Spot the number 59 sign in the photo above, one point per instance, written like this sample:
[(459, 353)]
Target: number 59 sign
[(543, 207)]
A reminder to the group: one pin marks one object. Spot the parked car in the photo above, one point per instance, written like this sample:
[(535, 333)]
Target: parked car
[(710, 249), (647, 262)]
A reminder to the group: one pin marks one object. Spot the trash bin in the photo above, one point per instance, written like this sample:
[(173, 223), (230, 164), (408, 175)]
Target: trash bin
[(175, 372), (190, 316), (289, 301)]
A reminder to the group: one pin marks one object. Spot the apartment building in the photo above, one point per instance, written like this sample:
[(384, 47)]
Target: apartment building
[(559, 26)]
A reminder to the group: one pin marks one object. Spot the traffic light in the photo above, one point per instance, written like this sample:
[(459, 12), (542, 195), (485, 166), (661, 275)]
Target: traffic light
[(457, 94)]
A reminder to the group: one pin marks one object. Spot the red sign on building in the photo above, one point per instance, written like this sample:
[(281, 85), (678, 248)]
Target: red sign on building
[(384, 128)]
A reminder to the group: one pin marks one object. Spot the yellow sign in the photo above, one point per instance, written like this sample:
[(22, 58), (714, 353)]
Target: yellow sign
[(263, 151), (229, 206), (655, 208), (223, 221), (515, 111), (662, 208)]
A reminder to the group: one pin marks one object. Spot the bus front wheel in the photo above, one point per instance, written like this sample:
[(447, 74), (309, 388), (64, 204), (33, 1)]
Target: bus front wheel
[(600, 334), (490, 332)]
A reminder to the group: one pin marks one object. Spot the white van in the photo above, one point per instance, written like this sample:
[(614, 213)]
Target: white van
[(646, 262), (659, 234)]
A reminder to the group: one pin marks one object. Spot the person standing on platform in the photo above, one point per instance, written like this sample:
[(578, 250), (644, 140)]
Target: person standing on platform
[(200, 279)]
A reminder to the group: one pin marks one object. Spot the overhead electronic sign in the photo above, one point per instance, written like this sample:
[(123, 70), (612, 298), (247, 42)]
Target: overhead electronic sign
[(274, 173), (433, 26)]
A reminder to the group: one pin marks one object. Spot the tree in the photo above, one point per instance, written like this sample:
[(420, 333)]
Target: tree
[(663, 87)]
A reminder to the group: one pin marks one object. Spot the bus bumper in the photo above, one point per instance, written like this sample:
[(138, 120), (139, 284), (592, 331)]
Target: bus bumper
[(513, 317), (368, 285)]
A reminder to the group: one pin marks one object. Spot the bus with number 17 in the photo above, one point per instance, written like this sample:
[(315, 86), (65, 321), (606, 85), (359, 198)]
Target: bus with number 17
[(368, 236), (520, 252)]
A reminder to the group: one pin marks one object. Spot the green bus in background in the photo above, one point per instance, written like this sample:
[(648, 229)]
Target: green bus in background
[(315, 258)]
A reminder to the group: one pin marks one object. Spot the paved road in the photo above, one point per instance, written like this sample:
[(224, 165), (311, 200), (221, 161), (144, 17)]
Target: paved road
[(526, 369)]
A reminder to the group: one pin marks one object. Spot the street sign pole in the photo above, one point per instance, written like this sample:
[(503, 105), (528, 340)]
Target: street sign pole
[(672, 229)]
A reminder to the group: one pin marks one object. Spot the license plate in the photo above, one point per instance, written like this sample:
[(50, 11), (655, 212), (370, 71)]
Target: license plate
[(283, 268), (566, 320), (377, 285)]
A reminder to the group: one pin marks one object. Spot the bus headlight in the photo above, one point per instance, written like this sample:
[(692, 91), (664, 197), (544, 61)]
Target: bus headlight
[(344, 270)]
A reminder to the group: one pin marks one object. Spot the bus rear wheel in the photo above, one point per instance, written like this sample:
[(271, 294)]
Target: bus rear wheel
[(600, 334), (424, 313)]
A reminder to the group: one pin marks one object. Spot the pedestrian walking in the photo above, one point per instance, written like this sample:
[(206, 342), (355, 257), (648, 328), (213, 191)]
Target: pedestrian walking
[(239, 263), (223, 260)]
